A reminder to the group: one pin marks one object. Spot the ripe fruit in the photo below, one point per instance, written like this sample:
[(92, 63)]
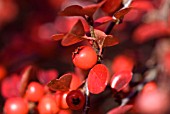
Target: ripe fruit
[(34, 91), (10, 86), (84, 57), (47, 105), (16, 105), (60, 97), (75, 100)]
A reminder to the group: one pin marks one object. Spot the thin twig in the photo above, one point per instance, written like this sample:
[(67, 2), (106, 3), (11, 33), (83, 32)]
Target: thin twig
[(87, 96)]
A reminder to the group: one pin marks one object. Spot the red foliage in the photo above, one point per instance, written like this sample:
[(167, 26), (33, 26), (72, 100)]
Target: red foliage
[(98, 78), (110, 6), (120, 80), (62, 84)]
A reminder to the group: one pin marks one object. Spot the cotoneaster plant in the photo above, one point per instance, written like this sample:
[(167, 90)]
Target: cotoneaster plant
[(89, 57), (96, 85)]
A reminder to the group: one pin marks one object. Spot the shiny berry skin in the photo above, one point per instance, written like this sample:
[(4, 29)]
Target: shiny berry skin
[(75, 100), (34, 92), (47, 105), (16, 105), (60, 97), (84, 57)]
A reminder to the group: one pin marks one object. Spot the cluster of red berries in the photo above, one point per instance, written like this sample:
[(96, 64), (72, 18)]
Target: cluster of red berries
[(84, 57), (47, 103)]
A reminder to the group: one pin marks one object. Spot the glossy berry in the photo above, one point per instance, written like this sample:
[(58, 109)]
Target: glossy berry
[(47, 105), (16, 105), (75, 100), (60, 97), (34, 91), (84, 57)]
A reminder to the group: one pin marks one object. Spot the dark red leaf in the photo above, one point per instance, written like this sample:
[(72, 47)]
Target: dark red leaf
[(90, 9), (110, 40), (74, 36), (120, 14), (61, 84), (102, 20), (104, 40), (71, 39), (120, 109), (110, 6), (99, 34), (120, 80), (25, 79), (74, 10), (98, 78), (78, 29), (57, 36), (142, 5)]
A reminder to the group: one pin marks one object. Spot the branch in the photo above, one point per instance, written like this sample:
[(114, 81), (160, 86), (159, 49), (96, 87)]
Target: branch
[(87, 96)]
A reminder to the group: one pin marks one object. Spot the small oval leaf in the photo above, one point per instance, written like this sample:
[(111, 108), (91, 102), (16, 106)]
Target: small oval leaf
[(110, 6), (120, 14), (74, 10), (57, 36), (90, 9), (98, 78), (120, 80), (110, 40), (75, 35), (61, 84), (25, 77), (78, 29), (71, 39), (103, 20)]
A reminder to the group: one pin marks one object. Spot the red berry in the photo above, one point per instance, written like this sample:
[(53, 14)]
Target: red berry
[(10, 86), (47, 105), (84, 57), (16, 105), (61, 99), (75, 100), (34, 91)]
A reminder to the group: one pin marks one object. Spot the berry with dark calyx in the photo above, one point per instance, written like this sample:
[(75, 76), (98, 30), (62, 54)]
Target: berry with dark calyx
[(84, 57), (75, 100)]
